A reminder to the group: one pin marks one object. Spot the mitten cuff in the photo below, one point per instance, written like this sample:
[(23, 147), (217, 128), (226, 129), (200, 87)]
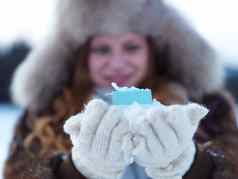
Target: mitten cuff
[(88, 168)]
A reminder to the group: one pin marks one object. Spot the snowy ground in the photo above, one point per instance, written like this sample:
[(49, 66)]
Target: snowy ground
[(8, 117)]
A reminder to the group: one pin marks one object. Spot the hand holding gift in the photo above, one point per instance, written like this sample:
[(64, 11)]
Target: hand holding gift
[(98, 135), (164, 140), (158, 137)]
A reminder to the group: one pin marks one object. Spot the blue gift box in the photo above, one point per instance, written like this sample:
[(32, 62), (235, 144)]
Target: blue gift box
[(127, 96)]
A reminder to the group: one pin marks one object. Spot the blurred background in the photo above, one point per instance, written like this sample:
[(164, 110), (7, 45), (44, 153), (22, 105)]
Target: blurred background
[(26, 23)]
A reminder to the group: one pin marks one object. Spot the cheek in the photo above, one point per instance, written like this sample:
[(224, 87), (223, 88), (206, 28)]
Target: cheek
[(96, 68), (141, 62), (96, 64), (140, 65)]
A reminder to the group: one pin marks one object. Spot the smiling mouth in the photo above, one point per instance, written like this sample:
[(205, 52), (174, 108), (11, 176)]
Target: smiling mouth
[(120, 80)]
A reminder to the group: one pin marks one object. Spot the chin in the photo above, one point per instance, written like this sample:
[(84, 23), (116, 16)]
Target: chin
[(130, 83)]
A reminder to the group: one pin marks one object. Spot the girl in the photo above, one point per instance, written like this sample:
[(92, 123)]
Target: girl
[(139, 43)]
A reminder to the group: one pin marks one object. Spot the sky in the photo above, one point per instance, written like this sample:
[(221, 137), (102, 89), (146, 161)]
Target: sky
[(28, 19), (215, 20)]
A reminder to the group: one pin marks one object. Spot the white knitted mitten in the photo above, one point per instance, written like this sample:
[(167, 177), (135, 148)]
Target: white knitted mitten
[(100, 140), (164, 140)]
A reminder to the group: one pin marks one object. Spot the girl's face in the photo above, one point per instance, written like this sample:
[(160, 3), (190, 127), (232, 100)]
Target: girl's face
[(123, 59)]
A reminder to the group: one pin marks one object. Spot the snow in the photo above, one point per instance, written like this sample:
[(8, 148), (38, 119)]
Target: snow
[(8, 117)]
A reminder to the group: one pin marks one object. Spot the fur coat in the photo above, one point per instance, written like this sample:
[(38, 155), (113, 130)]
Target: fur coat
[(41, 150)]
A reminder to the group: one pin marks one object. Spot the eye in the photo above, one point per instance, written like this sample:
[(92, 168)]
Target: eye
[(101, 50), (130, 47)]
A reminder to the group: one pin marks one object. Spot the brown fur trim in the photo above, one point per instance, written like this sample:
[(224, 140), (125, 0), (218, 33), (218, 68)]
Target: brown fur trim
[(223, 152), (221, 117), (21, 165)]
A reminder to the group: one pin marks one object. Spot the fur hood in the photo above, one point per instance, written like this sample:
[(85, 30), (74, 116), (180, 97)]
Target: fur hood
[(45, 71)]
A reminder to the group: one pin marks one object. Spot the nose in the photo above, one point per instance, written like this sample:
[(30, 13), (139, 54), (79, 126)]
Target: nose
[(117, 62)]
